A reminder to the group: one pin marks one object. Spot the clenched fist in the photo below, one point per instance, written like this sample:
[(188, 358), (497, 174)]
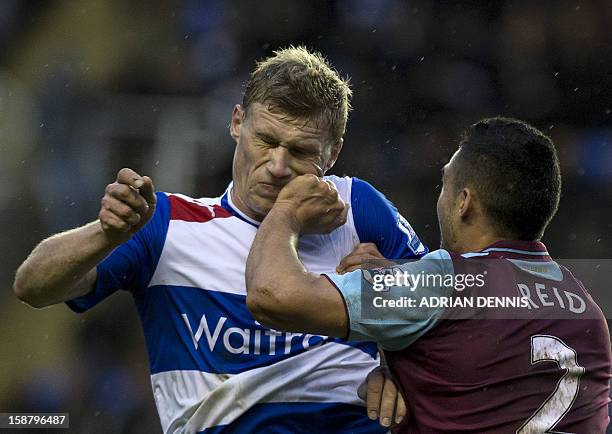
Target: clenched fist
[(127, 205), (313, 204)]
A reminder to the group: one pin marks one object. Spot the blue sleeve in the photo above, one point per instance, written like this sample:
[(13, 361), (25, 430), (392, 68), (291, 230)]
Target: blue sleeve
[(131, 265), (376, 312), (378, 221)]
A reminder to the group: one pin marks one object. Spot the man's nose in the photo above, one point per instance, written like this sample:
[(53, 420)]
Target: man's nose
[(278, 166)]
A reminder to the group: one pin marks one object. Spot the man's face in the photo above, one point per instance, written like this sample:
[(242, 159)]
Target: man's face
[(271, 150), (447, 206)]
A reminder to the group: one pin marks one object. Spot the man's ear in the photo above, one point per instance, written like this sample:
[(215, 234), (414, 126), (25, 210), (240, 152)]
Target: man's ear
[(333, 154), (467, 202), (236, 122)]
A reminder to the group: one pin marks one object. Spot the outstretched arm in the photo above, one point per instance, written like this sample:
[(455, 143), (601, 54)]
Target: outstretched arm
[(62, 267), (281, 294)]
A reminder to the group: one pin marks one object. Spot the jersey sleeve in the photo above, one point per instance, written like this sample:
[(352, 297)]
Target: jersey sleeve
[(394, 327), (378, 221), (131, 265)]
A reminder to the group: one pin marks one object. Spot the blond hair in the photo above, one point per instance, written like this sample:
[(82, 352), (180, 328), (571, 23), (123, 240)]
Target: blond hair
[(301, 84)]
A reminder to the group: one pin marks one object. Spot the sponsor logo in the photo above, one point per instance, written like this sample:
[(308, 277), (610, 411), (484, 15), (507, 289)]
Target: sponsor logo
[(256, 340)]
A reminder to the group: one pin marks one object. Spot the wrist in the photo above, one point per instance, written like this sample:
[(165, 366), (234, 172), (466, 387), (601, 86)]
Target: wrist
[(107, 240), (286, 214)]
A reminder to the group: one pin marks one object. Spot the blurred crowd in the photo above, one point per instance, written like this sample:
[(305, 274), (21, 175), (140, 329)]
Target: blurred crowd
[(89, 86)]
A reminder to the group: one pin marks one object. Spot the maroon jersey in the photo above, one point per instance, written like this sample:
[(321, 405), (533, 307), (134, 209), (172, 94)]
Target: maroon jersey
[(542, 367)]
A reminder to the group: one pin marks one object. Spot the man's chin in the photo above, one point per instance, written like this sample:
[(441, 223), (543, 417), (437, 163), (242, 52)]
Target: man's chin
[(262, 206)]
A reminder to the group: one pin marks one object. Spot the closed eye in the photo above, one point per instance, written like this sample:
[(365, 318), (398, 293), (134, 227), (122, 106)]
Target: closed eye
[(267, 140)]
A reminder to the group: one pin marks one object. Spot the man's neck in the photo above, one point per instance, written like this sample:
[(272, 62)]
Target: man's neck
[(475, 242), (240, 206)]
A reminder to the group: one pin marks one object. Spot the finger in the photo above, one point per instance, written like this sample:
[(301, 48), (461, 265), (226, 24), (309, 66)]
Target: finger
[(353, 268), (129, 196), (387, 402), (352, 262), (330, 184), (148, 191), (374, 392), (113, 222), (362, 390), (400, 408), (128, 177), (121, 210)]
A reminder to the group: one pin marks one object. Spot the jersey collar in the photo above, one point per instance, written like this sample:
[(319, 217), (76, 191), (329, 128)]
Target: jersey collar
[(228, 204), (518, 249)]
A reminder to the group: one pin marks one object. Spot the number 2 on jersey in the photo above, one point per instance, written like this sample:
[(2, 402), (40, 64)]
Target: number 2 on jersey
[(553, 349)]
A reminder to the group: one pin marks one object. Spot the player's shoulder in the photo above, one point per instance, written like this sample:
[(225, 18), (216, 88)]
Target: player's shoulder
[(351, 187)]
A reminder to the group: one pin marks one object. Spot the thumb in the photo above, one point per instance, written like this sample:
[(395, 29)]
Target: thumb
[(147, 191), (362, 390), (129, 177), (344, 214)]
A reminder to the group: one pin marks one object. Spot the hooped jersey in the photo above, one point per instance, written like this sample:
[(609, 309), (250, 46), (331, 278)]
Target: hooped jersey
[(213, 367)]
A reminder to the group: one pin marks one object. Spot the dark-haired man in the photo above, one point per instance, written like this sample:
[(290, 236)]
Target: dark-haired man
[(530, 355), (213, 367)]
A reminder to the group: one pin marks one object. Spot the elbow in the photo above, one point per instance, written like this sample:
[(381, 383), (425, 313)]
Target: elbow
[(266, 307), (25, 293)]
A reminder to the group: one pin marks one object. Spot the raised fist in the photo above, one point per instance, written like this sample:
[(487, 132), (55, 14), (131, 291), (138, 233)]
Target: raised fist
[(127, 205), (314, 204)]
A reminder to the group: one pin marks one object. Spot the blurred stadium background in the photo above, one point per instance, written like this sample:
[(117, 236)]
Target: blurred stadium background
[(90, 86)]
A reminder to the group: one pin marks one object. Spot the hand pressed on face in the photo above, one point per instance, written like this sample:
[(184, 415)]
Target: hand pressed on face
[(314, 204)]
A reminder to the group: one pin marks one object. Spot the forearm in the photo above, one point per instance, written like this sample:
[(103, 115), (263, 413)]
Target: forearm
[(62, 267), (273, 258), (281, 293), (275, 277)]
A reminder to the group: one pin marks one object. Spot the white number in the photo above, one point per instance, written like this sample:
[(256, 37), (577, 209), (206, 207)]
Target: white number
[(551, 348)]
